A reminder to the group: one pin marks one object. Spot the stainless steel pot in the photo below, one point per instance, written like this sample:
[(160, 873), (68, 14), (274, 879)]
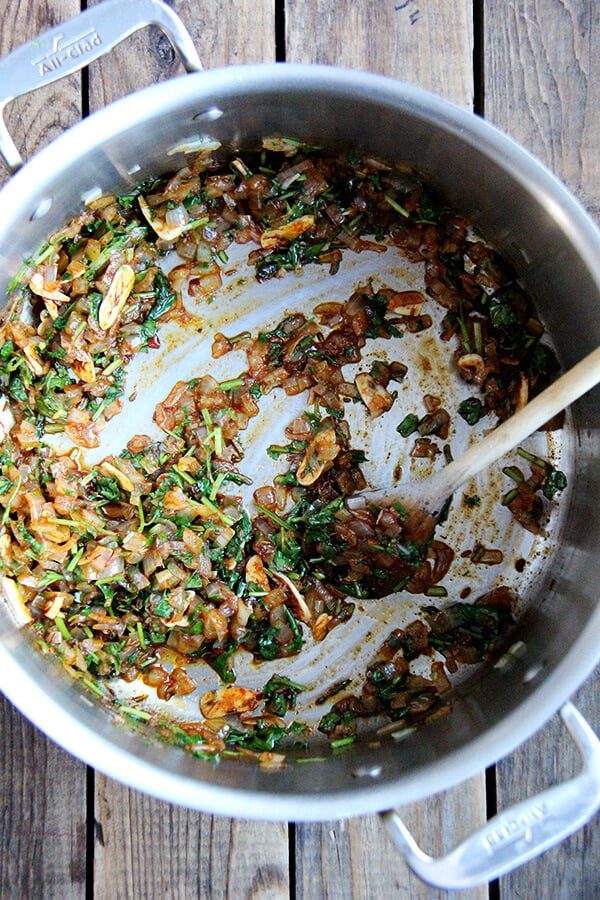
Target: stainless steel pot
[(535, 222)]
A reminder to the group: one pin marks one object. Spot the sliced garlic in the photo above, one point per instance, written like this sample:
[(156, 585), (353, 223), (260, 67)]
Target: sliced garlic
[(116, 297), (10, 592), (216, 704), (84, 368), (274, 237), (321, 627), (33, 361), (472, 366), (523, 393), (7, 420), (300, 602), (163, 229), (406, 303), (39, 287), (374, 396), (121, 477), (255, 573), (321, 450)]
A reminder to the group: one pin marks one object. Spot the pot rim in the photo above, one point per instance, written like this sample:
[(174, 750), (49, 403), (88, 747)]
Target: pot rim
[(555, 688)]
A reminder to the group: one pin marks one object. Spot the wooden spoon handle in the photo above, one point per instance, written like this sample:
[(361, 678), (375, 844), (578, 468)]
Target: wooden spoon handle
[(564, 391)]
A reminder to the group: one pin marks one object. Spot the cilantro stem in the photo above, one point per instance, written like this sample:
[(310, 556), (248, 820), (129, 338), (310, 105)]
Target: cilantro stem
[(93, 687), (74, 562), (60, 624), (530, 457), (231, 384), (136, 713), (216, 485), (11, 497), (227, 520), (395, 205), (513, 473), (117, 361), (142, 524), (343, 742), (274, 517)]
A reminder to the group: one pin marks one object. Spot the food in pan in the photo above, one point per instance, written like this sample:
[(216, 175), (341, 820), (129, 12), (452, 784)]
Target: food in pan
[(148, 562)]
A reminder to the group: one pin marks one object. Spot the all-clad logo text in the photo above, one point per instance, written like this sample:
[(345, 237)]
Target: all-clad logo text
[(64, 51), (515, 828)]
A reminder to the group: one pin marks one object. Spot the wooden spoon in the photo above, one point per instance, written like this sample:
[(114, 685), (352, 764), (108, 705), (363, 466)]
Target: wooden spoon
[(425, 499)]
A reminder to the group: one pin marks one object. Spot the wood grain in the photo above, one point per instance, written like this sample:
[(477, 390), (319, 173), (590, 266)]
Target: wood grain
[(42, 815), (146, 848), (239, 31), (424, 43), (542, 86), (570, 870), (356, 858)]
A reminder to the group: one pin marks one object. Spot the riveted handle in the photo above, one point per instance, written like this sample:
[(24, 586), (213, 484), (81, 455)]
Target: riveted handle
[(518, 834), (74, 44)]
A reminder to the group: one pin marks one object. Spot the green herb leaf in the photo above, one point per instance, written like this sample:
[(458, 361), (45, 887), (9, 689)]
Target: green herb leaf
[(471, 410)]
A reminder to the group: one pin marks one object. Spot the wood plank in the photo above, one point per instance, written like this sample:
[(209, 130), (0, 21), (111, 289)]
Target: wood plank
[(356, 858), (220, 32), (428, 44), (42, 814), (401, 39), (542, 87), (542, 84), (42, 789), (150, 849)]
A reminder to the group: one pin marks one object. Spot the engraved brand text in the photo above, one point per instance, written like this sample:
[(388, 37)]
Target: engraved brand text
[(515, 828), (65, 51)]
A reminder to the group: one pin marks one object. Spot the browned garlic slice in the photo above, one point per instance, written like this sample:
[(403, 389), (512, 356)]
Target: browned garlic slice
[(216, 704), (300, 602), (161, 227), (116, 297), (111, 470), (321, 627), (274, 237), (255, 573), (321, 450), (33, 361), (406, 303), (47, 291), (12, 599), (84, 367), (375, 397), (523, 393)]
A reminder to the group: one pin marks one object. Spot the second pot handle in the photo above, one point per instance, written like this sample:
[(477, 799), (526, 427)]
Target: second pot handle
[(79, 41), (521, 832)]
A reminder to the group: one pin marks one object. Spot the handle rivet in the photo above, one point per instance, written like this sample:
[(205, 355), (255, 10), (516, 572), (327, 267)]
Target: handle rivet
[(41, 209), (208, 115), (532, 673), (367, 772)]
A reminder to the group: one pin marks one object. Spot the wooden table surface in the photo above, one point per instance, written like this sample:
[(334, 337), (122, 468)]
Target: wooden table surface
[(533, 68)]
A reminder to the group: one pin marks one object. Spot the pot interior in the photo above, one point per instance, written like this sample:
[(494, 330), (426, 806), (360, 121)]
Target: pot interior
[(532, 220)]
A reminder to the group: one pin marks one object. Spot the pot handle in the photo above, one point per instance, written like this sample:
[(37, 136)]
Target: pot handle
[(518, 834), (74, 44)]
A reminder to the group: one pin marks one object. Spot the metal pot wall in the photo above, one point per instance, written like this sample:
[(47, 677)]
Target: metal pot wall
[(541, 228)]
